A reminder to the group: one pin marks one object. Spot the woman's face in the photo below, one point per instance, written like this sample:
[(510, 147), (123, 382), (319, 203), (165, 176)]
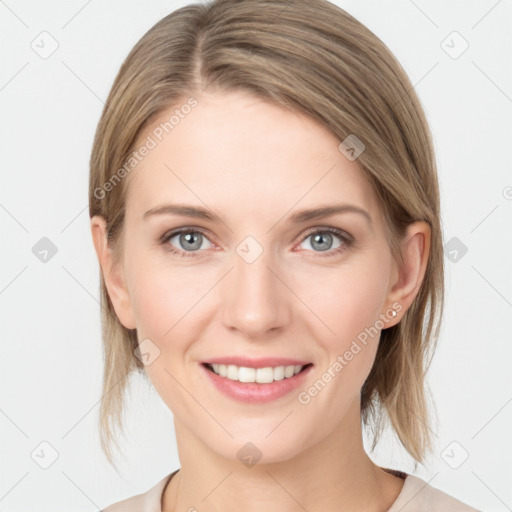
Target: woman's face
[(254, 281)]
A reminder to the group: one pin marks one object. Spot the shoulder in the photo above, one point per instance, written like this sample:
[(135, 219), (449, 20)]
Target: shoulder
[(418, 496), (149, 501)]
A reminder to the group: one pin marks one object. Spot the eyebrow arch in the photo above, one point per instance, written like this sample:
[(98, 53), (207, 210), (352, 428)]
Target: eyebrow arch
[(326, 211), (296, 218), (184, 210)]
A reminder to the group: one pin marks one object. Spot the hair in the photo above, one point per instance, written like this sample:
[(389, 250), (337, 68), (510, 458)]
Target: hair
[(309, 57)]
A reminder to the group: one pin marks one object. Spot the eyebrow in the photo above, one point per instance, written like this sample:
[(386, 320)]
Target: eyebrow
[(198, 212)]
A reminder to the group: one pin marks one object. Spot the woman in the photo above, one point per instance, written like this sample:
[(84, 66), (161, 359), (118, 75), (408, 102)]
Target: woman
[(265, 210)]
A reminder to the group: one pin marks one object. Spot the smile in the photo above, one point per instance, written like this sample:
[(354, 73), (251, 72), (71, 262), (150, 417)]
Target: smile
[(259, 375)]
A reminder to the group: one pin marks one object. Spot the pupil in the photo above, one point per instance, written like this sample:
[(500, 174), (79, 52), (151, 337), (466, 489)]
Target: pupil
[(189, 238), (320, 236)]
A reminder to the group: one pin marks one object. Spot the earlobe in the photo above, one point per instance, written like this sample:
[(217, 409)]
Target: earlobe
[(415, 252), (112, 274)]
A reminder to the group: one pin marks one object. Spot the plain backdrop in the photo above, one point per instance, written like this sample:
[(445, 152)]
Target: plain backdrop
[(51, 362)]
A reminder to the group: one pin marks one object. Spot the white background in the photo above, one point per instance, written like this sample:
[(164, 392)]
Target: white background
[(50, 331)]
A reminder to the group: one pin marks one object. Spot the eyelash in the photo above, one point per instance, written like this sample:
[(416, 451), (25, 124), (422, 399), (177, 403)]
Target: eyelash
[(346, 239)]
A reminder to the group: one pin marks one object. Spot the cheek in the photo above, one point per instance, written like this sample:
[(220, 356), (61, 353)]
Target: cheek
[(347, 301), (166, 304), (170, 304), (161, 294)]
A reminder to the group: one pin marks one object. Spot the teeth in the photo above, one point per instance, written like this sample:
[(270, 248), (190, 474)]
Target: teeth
[(260, 375)]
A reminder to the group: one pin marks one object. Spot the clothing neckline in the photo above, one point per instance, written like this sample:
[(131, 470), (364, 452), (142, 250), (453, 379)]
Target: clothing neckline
[(400, 474), (168, 477)]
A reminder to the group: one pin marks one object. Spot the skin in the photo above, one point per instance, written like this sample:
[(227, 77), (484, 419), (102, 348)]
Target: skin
[(253, 164)]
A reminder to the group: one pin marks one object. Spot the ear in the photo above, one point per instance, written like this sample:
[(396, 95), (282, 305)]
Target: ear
[(112, 274), (409, 275)]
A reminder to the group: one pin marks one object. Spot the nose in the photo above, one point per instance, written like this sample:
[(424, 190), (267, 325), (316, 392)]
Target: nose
[(256, 300)]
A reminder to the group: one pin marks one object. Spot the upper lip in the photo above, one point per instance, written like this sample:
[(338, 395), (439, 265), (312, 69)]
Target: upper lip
[(262, 362)]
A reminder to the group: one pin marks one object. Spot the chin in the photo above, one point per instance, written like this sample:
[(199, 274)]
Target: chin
[(257, 449)]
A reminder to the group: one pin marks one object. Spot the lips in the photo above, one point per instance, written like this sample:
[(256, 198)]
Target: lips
[(250, 380)]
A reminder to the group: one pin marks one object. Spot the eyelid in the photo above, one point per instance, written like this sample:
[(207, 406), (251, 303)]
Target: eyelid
[(171, 233), (329, 229)]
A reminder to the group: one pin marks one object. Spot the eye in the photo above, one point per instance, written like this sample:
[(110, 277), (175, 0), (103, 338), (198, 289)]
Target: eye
[(188, 242), (322, 240)]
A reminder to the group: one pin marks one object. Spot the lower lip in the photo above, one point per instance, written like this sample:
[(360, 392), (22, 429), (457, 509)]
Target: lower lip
[(254, 392)]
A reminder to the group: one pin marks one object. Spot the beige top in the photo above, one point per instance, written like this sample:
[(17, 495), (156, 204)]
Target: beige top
[(416, 496)]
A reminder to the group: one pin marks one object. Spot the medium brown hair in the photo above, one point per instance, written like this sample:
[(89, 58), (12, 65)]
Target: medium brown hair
[(311, 57)]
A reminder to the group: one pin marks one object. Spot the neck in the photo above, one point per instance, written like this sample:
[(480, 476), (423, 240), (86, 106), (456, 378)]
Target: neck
[(332, 475)]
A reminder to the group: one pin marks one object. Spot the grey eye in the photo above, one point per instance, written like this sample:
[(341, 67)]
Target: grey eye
[(322, 241), (189, 240)]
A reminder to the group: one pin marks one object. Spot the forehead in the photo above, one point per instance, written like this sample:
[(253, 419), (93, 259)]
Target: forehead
[(235, 152)]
